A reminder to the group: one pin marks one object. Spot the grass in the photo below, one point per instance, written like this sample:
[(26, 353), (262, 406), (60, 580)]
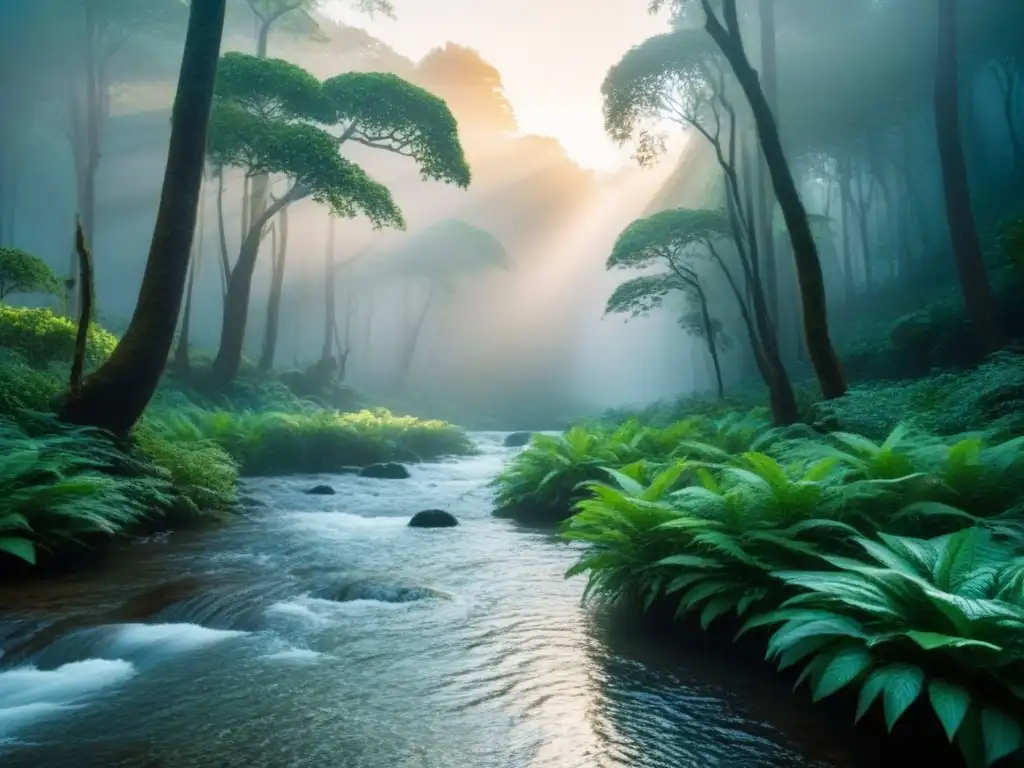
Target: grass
[(887, 560)]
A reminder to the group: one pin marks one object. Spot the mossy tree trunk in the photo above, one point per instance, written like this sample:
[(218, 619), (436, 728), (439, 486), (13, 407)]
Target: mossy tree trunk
[(805, 252), (974, 282), (116, 395)]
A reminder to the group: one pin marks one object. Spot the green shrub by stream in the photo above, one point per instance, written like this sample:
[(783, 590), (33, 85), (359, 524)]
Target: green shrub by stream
[(889, 562)]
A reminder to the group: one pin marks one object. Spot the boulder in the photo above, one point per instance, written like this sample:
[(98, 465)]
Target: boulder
[(321, 490), (391, 470), (517, 439), (433, 518)]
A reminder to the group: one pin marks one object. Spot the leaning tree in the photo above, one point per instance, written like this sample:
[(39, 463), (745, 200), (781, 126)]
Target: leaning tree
[(273, 118)]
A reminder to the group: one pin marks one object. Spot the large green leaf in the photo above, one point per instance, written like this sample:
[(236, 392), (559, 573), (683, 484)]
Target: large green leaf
[(20, 548), (902, 687), (931, 641), (846, 666), (950, 703), (1001, 734)]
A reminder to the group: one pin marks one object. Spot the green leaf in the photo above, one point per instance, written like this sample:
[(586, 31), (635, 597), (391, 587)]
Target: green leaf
[(714, 609), (1001, 734), (845, 667), (930, 641), (20, 548), (628, 484), (950, 703), (903, 685)]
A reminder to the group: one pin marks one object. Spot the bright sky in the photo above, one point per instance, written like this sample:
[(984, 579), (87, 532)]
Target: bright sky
[(552, 55)]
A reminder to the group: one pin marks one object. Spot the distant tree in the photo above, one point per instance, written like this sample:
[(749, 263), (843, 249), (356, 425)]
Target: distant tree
[(673, 240), (279, 256), (116, 395), (21, 272), (725, 30), (269, 12), (471, 87), (441, 258), (679, 77), (107, 26), (974, 282)]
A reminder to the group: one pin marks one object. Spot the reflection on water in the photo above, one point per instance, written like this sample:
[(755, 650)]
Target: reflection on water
[(322, 632)]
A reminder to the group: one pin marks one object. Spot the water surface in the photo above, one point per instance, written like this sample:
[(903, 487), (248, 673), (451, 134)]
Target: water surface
[(321, 631)]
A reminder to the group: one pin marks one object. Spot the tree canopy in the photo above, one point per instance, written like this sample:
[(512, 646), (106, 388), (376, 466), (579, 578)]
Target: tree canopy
[(666, 235), (640, 295), (383, 111), (21, 272), (447, 251)]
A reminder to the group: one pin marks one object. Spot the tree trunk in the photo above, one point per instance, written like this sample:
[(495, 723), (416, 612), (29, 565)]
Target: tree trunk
[(225, 261), (765, 200), (85, 302), (116, 395), (239, 287), (182, 361), (863, 207), (409, 349), (709, 336), (845, 207), (330, 316), (963, 232), (270, 336), (805, 251)]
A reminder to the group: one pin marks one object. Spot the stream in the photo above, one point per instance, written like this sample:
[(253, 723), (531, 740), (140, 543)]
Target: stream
[(321, 631)]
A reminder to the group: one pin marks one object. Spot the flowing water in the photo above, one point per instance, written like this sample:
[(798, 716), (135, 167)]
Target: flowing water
[(321, 631)]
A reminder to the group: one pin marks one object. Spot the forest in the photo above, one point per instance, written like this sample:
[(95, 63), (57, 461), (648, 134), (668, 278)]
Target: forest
[(757, 392)]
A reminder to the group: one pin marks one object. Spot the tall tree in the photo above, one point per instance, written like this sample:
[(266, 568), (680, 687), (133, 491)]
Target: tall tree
[(963, 231), (725, 31), (280, 256), (268, 120), (115, 396), (765, 199), (330, 313)]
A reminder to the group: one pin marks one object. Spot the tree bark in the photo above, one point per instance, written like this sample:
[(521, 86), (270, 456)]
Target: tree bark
[(411, 342), (709, 336), (116, 395), (270, 336), (805, 252), (225, 261), (85, 302), (182, 362), (330, 316), (974, 283), (765, 199)]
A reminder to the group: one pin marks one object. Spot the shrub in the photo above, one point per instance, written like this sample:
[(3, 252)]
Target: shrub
[(313, 440), (21, 272), (42, 337)]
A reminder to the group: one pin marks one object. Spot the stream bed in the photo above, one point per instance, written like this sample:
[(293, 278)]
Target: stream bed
[(322, 632)]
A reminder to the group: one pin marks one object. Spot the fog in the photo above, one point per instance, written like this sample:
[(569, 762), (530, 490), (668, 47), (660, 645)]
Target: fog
[(525, 332)]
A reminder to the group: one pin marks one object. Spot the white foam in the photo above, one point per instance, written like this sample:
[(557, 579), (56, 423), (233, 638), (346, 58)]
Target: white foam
[(149, 640), (28, 694), (294, 654)]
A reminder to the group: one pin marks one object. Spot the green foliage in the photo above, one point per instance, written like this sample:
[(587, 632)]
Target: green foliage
[(21, 272), (68, 487), (668, 76), (266, 119), (667, 235), (42, 337), (314, 440), (639, 295), (445, 252), (384, 111), (726, 515)]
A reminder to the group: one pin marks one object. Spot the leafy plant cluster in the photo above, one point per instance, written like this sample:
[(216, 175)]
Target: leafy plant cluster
[(893, 568), (43, 337), (270, 442), (71, 487)]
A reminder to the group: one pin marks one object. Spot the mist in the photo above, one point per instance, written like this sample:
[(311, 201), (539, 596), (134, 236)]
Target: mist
[(526, 333)]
